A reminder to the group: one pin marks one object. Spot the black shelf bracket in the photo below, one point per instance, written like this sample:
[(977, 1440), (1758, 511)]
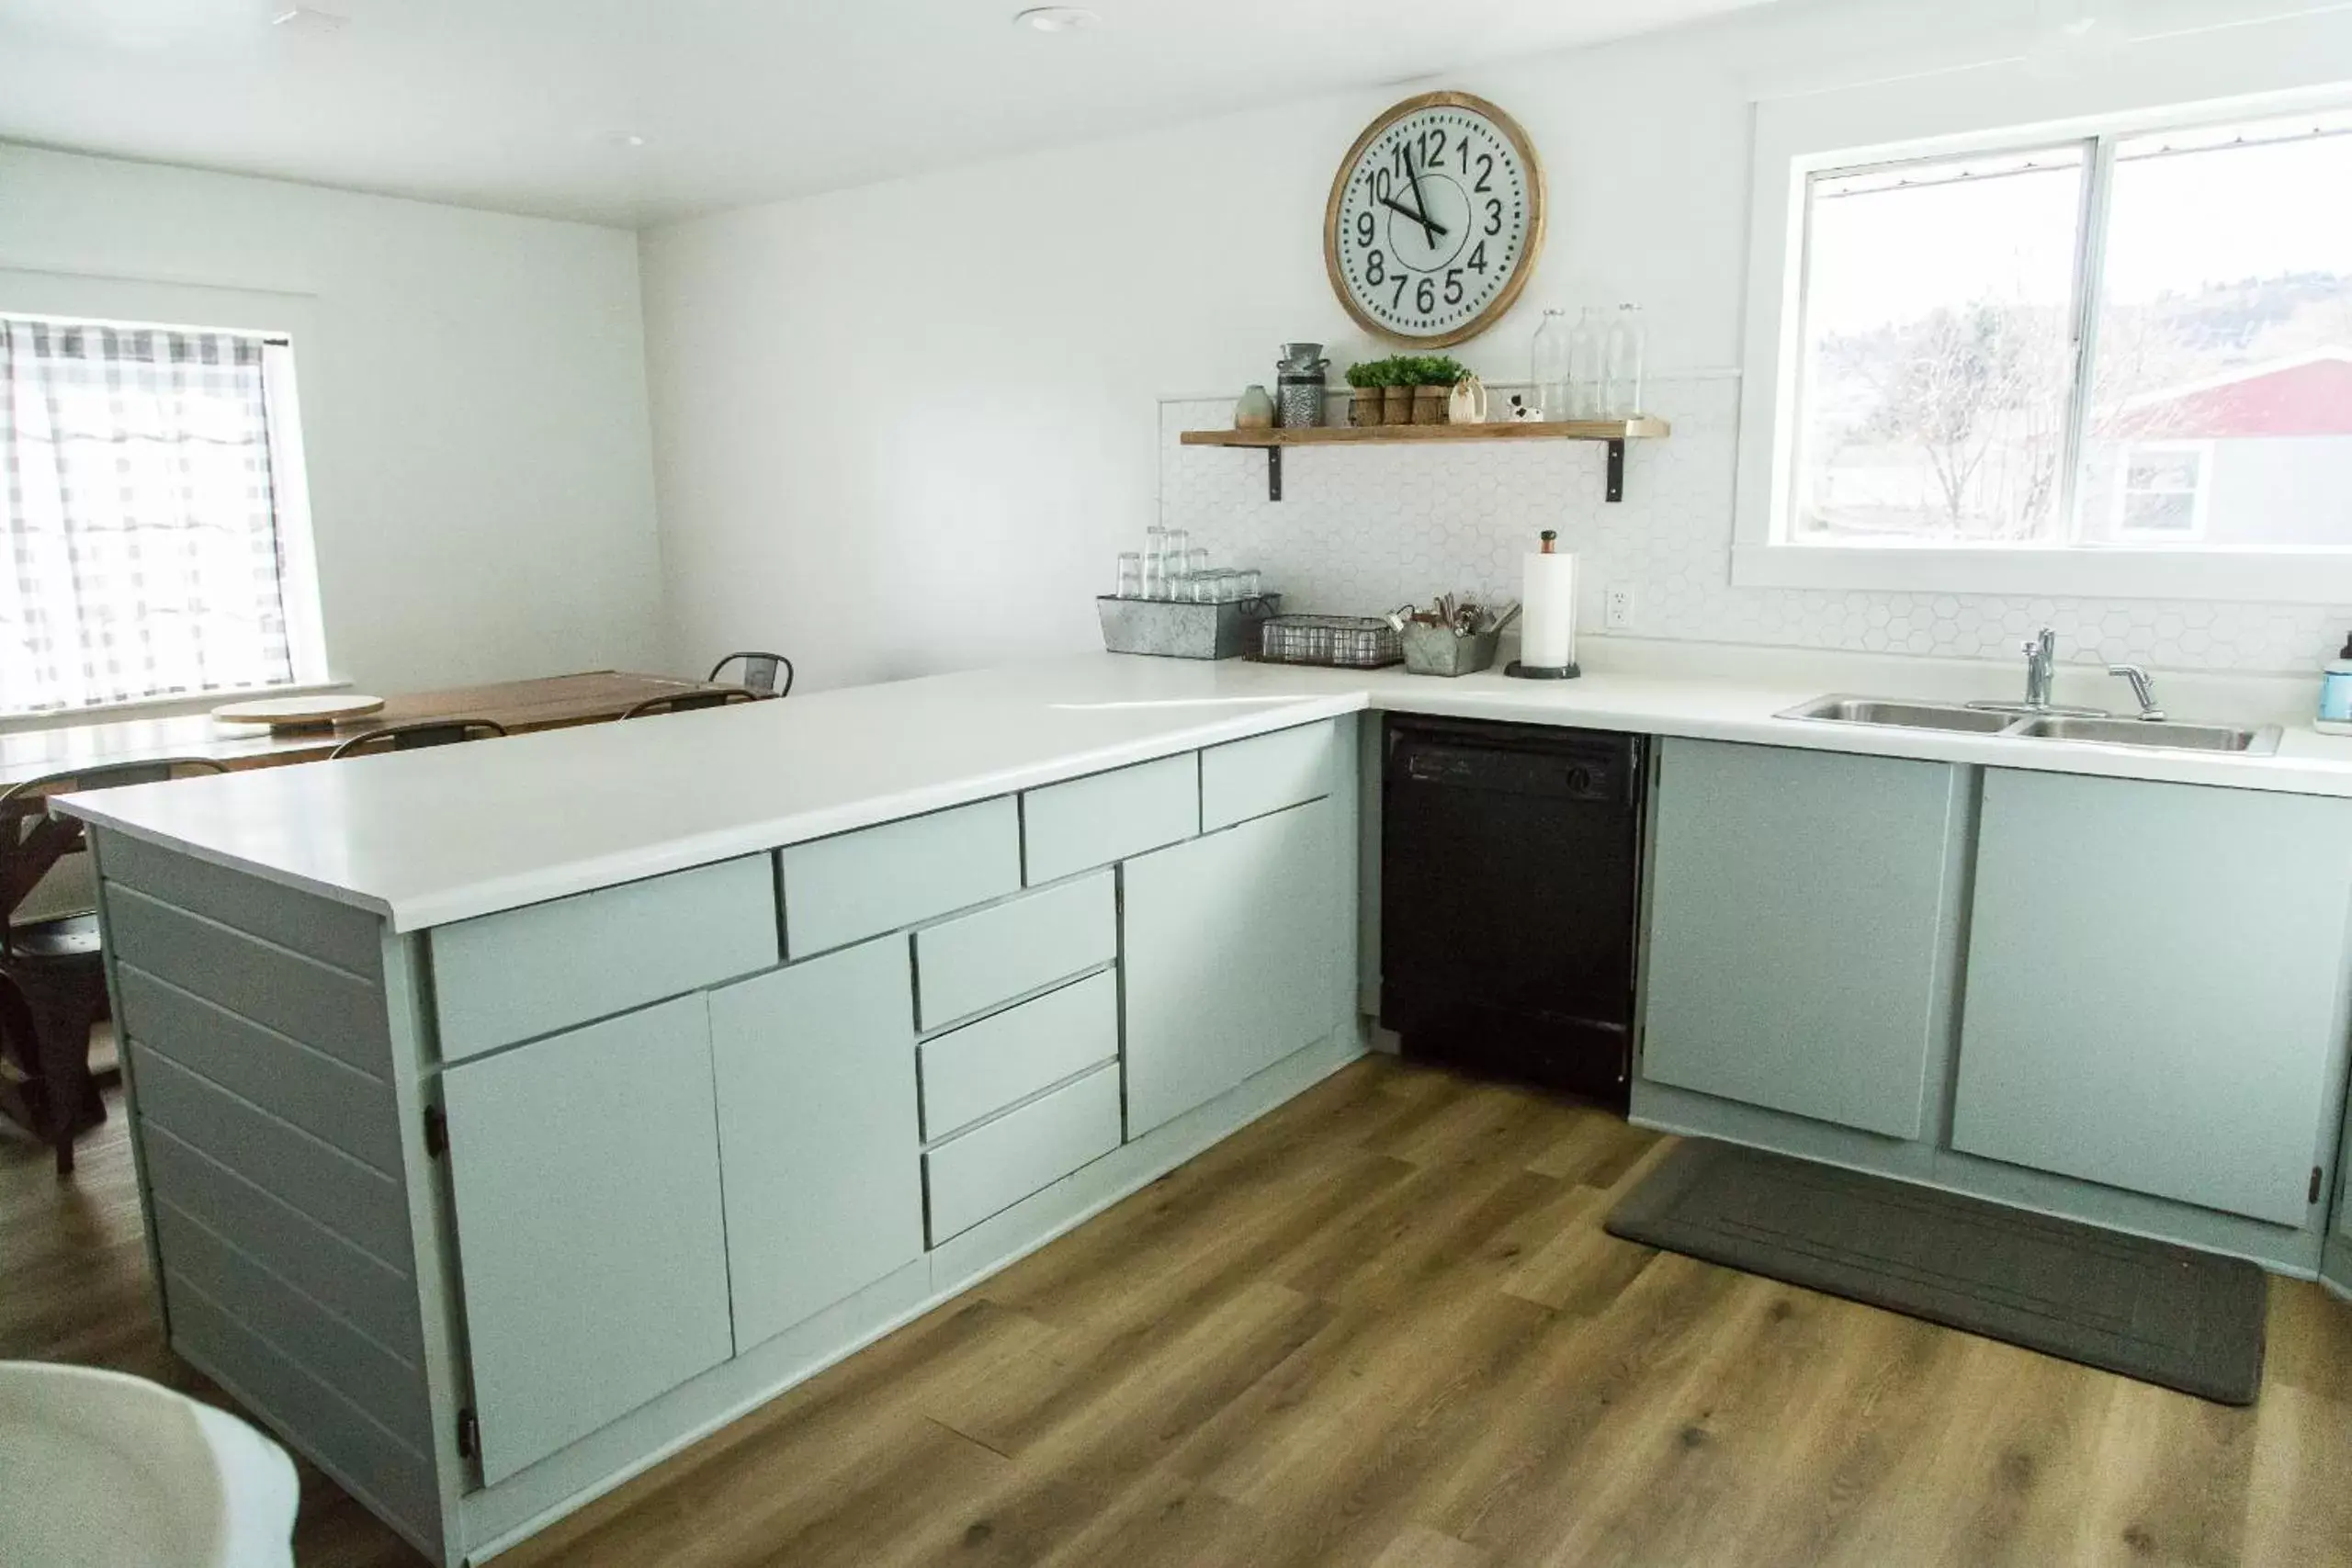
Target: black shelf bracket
[(1274, 473), (1616, 471)]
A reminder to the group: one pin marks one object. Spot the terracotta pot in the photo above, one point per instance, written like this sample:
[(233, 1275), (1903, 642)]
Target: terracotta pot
[(1397, 405), (1428, 404), (1363, 408)]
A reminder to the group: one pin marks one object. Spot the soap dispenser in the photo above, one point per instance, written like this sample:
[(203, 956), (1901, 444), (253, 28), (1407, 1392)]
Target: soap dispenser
[(2336, 694)]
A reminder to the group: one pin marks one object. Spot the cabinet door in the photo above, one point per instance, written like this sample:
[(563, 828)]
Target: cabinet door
[(1800, 928), (2157, 987), (1239, 949), (817, 1134), (2336, 1257), (585, 1171)]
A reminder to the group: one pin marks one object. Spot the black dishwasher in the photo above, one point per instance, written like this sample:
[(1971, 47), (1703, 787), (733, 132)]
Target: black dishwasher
[(1510, 861)]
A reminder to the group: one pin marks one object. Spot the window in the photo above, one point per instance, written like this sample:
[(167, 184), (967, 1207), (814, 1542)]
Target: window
[(155, 515), (2142, 339), (1984, 303), (2159, 492)]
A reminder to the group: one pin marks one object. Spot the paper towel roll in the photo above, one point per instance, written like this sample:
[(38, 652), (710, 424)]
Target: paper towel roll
[(1548, 637)]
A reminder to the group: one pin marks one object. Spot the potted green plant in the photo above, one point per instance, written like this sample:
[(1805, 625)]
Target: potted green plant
[(1370, 379), (1396, 384), (1433, 379)]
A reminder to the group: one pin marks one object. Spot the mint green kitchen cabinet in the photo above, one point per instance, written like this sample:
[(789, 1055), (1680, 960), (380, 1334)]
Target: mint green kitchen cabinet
[(819, 1150), (583, 1172), (2335, 1259), (1800, 918), (1239, 949), (2156, 987)]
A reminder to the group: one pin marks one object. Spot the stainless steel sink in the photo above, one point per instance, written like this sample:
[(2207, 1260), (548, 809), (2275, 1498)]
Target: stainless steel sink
[(1901, 715), (2161, 735), (2097, 729)]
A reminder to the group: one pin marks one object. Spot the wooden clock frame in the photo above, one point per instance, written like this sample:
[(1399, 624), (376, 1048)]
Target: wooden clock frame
[(1538, 205)]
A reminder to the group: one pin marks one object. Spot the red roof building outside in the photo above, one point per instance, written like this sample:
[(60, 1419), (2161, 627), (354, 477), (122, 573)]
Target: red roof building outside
[(2310, 395)]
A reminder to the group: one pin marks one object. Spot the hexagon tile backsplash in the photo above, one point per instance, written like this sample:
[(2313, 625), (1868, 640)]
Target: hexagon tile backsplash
[(1361, 529)]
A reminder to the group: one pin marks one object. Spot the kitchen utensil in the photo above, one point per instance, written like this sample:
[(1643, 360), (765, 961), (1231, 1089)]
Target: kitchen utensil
[(1445, 649)]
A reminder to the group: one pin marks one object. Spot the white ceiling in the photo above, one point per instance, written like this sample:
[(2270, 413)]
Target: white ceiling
[(528, 104)]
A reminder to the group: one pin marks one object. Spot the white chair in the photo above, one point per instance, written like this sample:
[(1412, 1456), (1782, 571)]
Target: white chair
[(99, 1468)]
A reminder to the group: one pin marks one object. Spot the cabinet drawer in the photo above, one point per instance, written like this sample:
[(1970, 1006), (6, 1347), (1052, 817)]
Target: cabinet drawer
[(855, 886), (1088, 822), (998, 1163), (504, 977), (975, 962), (982, 1067), (1249, 778)]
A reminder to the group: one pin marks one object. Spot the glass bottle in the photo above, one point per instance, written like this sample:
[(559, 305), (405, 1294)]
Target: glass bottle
[(1548, 374), (1130, 583), (1588, 365), (1628, 346)]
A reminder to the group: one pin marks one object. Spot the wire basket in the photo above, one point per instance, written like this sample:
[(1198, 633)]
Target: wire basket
[(1346, 642)]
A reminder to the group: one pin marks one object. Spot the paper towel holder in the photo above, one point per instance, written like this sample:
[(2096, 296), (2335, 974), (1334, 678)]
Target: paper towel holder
[(1541, 671)]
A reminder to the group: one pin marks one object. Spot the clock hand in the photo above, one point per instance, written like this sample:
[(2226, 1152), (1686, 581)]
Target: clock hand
[(1430, 224), (1429, 230)]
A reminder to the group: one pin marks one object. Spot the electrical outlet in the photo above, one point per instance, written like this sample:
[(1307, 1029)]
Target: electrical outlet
[(1617, 606)]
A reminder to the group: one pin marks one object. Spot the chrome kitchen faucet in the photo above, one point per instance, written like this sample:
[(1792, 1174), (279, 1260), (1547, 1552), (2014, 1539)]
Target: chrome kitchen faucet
[(2040, 672)]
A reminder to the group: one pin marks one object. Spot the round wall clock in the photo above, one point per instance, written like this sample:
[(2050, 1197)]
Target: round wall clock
[(1434, 220)]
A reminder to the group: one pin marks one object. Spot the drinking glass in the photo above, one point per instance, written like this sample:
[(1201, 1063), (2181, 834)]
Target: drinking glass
[(1130, 574), (1196, 563), (1155, 562)]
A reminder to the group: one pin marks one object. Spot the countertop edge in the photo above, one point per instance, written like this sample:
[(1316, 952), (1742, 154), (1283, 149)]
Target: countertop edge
[(1742, 715)]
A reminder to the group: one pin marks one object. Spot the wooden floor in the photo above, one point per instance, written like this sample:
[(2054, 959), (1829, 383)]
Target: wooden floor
[(1382, 1327)]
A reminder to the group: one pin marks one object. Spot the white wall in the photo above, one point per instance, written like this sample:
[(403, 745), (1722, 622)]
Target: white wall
[(907, 427), (473, 401)]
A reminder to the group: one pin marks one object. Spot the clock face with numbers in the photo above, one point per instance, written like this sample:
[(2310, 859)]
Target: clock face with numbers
[(1434, 220)]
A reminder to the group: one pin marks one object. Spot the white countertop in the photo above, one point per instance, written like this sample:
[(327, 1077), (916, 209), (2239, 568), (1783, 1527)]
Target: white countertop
[(428, 836)]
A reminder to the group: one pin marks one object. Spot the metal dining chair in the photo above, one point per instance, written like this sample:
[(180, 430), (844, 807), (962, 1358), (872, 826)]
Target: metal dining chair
[(423, 732), (687, 702), (52, 978), (759, 672)]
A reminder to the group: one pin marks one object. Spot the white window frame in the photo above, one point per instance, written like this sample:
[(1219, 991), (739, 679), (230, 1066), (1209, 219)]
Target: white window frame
[(2206, 76), (57, 296)]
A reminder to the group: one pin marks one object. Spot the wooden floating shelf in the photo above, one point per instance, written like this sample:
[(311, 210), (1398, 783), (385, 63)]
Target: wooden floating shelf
[(1614, 431), (1645, 429)]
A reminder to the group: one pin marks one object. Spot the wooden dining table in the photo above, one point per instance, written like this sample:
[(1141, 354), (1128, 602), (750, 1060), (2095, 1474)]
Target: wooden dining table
[(551, 701)]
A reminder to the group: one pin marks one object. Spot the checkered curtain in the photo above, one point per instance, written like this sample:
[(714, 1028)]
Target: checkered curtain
[(144, 558)]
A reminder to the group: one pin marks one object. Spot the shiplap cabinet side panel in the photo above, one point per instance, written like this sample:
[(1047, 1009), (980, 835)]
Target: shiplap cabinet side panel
[(820, 1156), (584, 1173), (2157, 987), (1799, 929), (1239, 948)]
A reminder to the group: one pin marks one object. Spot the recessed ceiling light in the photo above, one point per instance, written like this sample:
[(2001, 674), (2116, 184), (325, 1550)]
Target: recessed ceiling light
[(1056, 18), (628, 139)]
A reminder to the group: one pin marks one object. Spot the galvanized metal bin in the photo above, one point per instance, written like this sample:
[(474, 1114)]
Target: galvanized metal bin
[(1435, 650), (1181, 630)]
